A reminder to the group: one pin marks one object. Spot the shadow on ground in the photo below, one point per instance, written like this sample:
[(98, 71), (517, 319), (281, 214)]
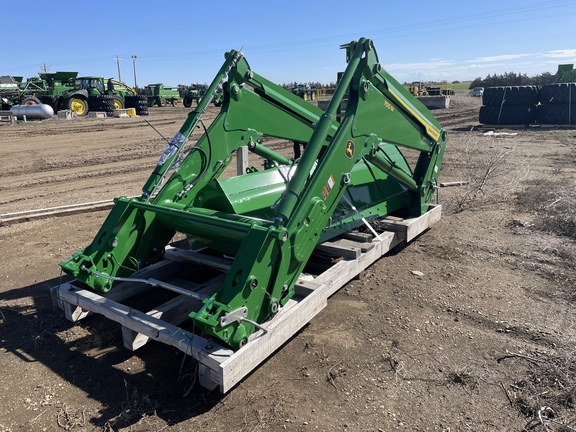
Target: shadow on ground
[(156, 380)]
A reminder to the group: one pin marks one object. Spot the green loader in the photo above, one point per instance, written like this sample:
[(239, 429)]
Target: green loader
[(269, 221)]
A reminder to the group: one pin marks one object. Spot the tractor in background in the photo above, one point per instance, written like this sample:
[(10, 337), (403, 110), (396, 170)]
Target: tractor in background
[(305, 91), (194, 93)]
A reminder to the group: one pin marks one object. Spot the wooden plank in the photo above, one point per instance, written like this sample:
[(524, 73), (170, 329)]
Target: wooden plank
[(304, 287), (174, 312), (24, 216), (358, 236), (344, 271), (420, 224), (161, 270), (335, 249), (206, 352), (413, 227), (279, 330)]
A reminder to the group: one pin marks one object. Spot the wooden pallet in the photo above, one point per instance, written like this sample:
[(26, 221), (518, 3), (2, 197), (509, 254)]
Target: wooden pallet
[(219, 366)]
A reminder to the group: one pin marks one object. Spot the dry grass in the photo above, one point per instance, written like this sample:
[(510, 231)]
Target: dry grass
[(484, 166), (553, 206)]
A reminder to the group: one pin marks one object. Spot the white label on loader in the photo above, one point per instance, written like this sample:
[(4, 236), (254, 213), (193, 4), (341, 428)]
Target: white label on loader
[(178, 140), (171, 148)]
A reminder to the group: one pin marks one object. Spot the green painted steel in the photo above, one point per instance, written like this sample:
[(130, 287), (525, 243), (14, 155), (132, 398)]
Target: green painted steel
[(271, 220)]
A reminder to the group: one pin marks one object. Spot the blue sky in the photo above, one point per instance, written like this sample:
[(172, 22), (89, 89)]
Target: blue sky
[(183, 42)]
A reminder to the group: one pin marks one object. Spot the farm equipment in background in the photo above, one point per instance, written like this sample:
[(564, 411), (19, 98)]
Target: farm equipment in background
[(14, 91), (440, 89), (305, 91), (100, 94), (566, 74), (54, 89), (431, 97), (417, 88), (194, 93), (67, 91), (161, 95), (265, 224)]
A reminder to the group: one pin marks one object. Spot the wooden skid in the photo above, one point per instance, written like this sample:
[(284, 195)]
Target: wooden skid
[(220, 366)]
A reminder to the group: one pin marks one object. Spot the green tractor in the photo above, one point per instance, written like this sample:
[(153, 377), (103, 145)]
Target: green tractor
[(305, 91), (194, 93), (65, 90), (105, 95)]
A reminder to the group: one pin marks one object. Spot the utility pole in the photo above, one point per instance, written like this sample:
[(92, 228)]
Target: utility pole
[(44, 67), (134, 65), (118, 64)]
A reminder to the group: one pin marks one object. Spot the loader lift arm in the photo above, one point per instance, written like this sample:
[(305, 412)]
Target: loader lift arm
[(270, 221)]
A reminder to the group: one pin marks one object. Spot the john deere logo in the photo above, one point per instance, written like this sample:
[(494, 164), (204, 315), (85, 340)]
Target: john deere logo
[(349, 149)]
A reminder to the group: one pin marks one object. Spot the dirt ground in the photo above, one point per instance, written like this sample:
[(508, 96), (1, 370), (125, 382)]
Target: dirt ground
[(482, 337)]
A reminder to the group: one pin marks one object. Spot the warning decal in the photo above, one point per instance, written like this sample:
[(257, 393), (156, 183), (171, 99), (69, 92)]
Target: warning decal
[(328, 187)]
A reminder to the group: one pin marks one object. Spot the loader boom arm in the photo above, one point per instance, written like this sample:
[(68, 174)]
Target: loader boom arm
[(270, 221)]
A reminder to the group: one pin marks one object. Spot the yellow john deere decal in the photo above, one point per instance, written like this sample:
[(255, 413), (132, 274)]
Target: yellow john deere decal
[(349, 152), (328, 187)]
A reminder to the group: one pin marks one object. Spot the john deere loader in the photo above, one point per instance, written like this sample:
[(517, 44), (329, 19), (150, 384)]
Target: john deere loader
[(266, 223)]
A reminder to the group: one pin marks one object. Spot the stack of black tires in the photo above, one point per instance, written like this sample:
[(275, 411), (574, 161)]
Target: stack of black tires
[(525, 105), (557, 104), (101, 103), (105, 103), (140, 103), (509, 105)]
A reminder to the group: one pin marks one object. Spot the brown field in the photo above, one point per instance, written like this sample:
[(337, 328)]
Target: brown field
[(484, 340)]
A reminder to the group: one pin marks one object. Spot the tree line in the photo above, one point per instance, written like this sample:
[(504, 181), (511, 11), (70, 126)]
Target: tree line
[(513, 79)]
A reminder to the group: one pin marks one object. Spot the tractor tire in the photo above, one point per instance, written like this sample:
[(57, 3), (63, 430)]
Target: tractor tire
[(30, 100), (130, 101), (174, 102), (564, 93), (102, 103), (78, 105), (510, 96), (118, 104), (94, 103), (507, 115), (161, 102), (313, 96), (138, 102), (556, 114), (108, 104), (187, 102), (55, 104)]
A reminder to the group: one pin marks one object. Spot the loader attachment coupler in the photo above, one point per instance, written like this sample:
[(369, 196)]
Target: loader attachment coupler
[(269, 222)]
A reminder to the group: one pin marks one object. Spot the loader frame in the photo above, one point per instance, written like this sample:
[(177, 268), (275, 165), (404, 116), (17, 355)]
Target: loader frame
[(219, 366), (351, 172)]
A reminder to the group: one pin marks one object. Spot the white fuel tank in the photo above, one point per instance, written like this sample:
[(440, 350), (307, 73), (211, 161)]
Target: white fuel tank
[(32, 112)]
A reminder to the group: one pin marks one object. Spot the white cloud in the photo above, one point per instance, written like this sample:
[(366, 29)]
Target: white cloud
[(501, 58), (561, 53)]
